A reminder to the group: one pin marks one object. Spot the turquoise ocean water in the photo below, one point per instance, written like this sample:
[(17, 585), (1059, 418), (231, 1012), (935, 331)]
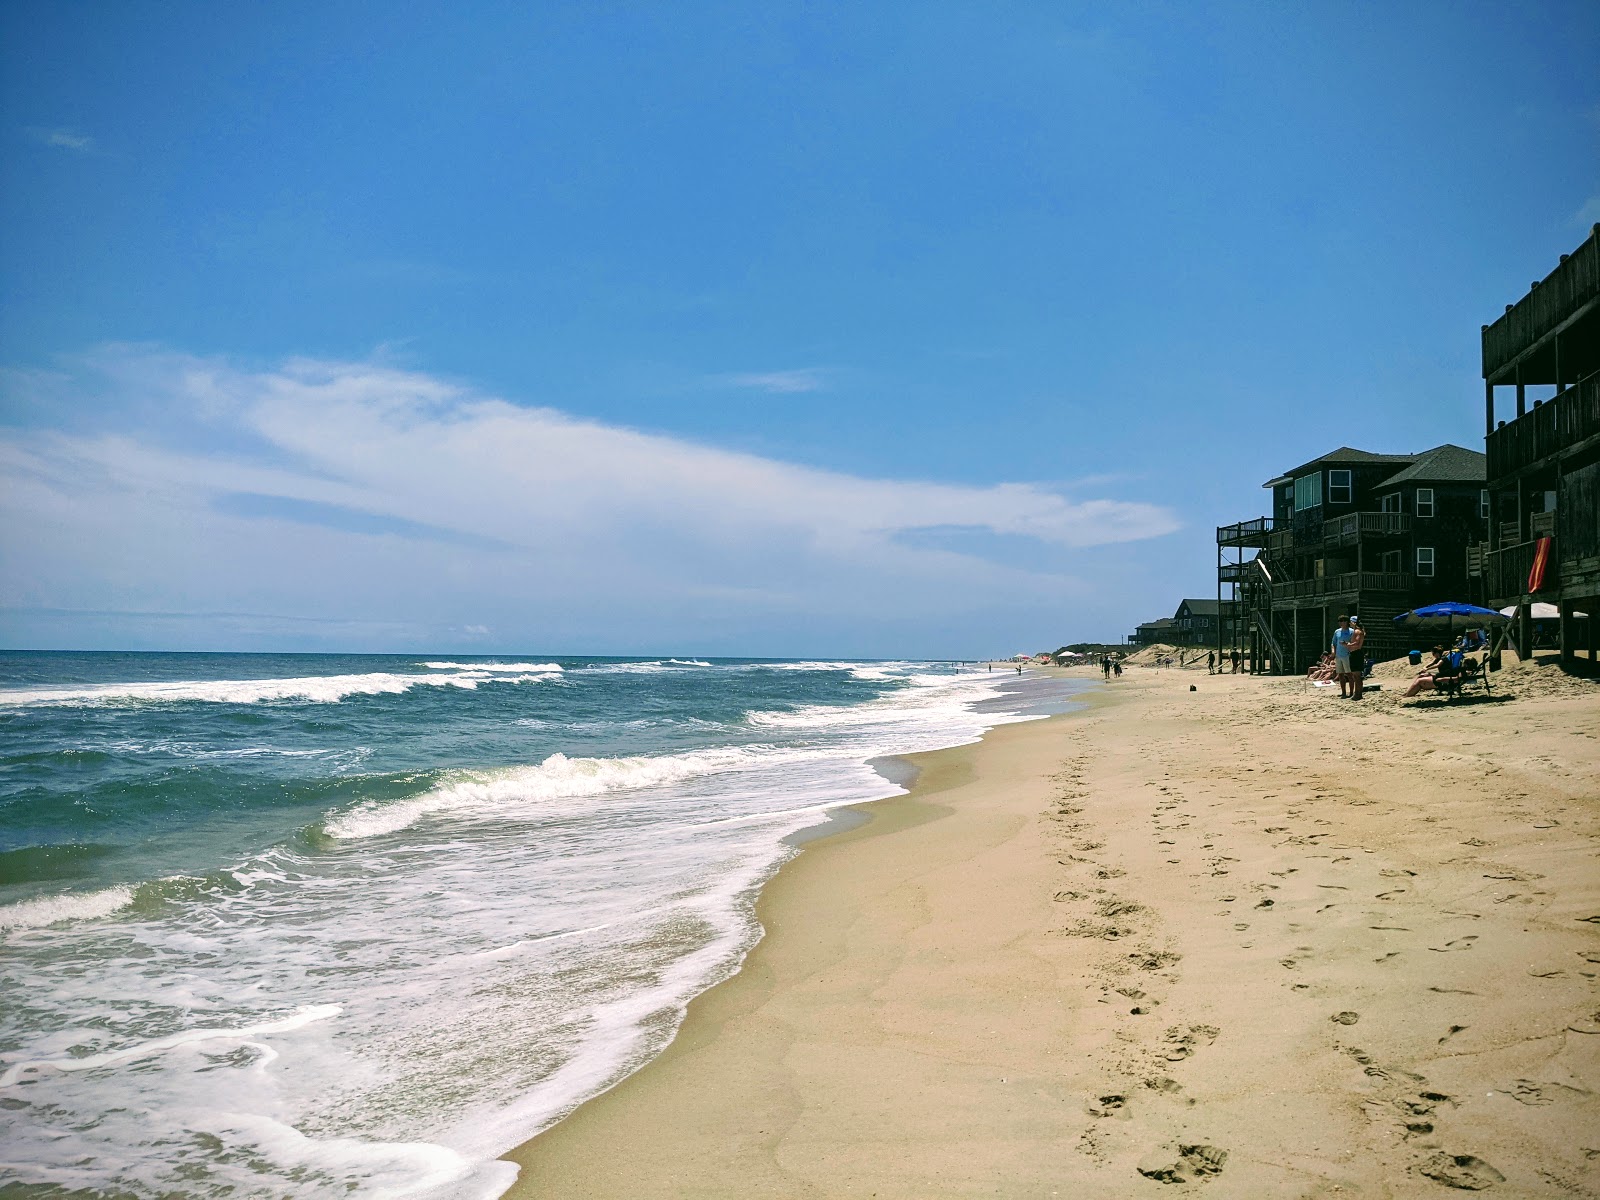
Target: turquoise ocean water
[(323, 925)]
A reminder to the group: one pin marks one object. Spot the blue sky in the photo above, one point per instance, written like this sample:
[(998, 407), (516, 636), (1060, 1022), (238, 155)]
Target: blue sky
[(943, 329)]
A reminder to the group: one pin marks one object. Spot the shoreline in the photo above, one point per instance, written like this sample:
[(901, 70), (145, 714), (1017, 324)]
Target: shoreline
[(1244, 934), (931, 772)]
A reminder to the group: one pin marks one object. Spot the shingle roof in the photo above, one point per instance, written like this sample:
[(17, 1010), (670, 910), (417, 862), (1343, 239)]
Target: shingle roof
[(1158, 623), (1445, 464), (1340, 457)]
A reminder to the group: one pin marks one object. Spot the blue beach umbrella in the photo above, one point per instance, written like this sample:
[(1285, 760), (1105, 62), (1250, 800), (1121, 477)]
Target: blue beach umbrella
[(1448, 616)]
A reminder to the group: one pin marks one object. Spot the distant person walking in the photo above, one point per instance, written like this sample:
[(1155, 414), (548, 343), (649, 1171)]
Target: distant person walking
[(1341, 656), (1235, 657), (1211, 662), (1105, 665), (1116, 666)]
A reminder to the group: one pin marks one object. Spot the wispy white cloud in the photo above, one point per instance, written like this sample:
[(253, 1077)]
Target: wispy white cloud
[(63, 139), (1589, 214), (781, 383), (362, 491)]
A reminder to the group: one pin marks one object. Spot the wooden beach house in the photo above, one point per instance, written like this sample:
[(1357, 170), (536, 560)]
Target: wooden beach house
[(1199, 622), (1543, 541), (1162, 631), (1351, 532)]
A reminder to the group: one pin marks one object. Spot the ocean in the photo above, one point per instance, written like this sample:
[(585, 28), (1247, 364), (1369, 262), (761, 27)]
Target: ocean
[(333, 925)]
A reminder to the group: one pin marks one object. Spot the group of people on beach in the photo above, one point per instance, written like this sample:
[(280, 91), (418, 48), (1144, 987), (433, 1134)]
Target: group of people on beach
[(1234, 656), (1111, 664)]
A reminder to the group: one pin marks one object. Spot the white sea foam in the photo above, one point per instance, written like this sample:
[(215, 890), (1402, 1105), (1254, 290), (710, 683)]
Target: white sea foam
[(316, 689), (557, 777), (18, 1071), (68, 906), (543, 668)]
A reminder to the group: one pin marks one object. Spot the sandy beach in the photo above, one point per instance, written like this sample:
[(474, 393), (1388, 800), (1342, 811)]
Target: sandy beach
[(1248, 937)]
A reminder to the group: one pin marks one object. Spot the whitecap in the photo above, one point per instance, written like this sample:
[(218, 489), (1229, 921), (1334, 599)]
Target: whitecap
[(494, 666), (64, 906), (557, 777), (315, 689)]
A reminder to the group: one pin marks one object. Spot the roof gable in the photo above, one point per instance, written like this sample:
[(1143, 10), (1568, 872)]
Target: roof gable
[(1444, 464), (1344, 456)]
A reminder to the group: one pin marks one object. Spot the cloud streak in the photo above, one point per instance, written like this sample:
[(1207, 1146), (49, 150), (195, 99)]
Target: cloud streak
[(63, 139), (357, 491), (781, 383)]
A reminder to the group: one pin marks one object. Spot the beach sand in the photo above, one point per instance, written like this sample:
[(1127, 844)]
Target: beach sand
[(1248, 937)]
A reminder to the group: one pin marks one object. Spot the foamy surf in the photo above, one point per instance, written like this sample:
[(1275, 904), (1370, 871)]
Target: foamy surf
[(556, 778), (316, 689), (71, 906)]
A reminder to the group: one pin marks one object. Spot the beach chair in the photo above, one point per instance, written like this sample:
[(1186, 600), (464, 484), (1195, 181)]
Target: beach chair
[(1466, 672)]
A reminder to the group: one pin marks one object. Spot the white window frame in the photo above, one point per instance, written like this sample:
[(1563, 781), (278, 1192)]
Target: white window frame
[(1335, 487), (1483, 504), (1425, 500), (1425, 562), (1390, 503), (1308, 488)]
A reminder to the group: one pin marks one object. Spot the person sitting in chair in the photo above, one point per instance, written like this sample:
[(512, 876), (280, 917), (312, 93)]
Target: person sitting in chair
[(1442, 666)]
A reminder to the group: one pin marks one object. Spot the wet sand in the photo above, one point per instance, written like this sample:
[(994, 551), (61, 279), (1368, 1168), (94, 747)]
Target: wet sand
[(1250, 935)]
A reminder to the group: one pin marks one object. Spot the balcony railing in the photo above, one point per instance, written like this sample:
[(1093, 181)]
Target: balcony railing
[(1245, 533), (1560, 294), (1345, 584), (1352, 527), (1505, 571), (1538, 525), (1561, 421)]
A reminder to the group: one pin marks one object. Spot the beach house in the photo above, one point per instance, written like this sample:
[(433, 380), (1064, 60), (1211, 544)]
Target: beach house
[(1162, 630), (1543, 541), (1354, 532), (1200, 622)]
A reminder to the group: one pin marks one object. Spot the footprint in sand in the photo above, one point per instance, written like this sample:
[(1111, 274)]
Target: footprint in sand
[(1113, 1104), (1464, 1171), (1460, 943), (1345, 1018), (1182, 1163), (1182, 1043)]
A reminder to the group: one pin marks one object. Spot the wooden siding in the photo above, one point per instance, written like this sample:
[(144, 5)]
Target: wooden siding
[(1578, 513), (1561, 293)]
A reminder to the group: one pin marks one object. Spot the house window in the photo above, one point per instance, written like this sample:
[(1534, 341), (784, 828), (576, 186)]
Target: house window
[(1424, 502), (1425, 561), (1391, 502), (1339, 489), (1483, 504), (1308, 492)]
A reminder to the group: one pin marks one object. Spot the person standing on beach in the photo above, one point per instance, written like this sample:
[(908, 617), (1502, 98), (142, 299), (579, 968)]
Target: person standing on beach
[(1235, 657), (1358, 658), (1105, 666), (1341, 656), (1211, 662)]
